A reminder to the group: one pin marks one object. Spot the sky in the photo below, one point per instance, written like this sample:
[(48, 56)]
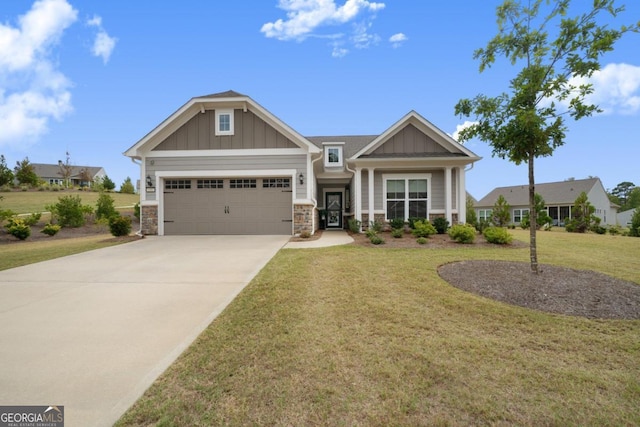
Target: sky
[(91, 78)]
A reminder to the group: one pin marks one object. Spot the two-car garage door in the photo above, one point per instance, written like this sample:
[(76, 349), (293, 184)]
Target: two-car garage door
[(227, 206)]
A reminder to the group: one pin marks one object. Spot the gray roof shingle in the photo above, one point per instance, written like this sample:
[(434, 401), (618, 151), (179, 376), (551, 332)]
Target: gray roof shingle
[(563, 192)]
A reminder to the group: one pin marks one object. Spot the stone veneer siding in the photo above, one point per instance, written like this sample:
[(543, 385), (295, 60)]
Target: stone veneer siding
[(303, 218), (149, 220)]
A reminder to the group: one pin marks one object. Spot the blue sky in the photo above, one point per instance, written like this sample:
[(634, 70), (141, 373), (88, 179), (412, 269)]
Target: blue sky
[(92, 78)]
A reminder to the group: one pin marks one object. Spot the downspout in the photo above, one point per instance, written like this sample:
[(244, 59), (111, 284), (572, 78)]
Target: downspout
[(346, 166), (314, 187), (139, 232)]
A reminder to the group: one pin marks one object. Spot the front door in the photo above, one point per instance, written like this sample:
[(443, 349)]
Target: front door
[(334, 210)]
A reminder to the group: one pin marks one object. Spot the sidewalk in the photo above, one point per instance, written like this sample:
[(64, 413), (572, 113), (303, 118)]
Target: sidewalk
[(328, 238)]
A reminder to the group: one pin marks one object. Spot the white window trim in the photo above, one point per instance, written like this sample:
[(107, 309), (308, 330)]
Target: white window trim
[(326, 156), (231, 124), (406, 177)]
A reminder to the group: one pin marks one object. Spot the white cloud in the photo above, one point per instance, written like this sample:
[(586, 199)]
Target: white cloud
[(616, 89), (305, 17), (33, 90), (462, 126), (397, 40), (339, 52), (103, 44)]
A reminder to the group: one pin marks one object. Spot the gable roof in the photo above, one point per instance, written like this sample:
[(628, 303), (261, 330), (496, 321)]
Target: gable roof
[(44, 170), (452, 148), (562, 192), (352, 144), (227, 99)]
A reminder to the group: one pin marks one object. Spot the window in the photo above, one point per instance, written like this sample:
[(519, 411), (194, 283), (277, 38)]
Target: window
[(224, 122), (333, 156), (518, 214), (485, 214), (177, 184), (406, 197), (276, 183), (210, 183), (242, 183)]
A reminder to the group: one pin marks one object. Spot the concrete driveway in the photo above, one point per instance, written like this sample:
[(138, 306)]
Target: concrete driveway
[(92, 331)]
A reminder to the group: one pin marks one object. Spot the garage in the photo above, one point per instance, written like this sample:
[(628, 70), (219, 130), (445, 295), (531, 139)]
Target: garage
[(227, 206)]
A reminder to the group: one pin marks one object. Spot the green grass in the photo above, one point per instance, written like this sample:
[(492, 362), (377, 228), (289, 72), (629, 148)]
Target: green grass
[(352, 336), (23, 253), (35, 201)]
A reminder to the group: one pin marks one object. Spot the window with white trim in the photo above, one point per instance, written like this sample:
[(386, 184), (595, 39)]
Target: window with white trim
[(332, 156), (519, 214), (177, 184), (224, 122), (485, 214), (406, 196)]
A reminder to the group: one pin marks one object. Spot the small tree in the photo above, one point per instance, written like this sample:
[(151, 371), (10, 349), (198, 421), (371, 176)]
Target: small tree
[(542, 217), (127, 187), (65, 169), (472, 218), (108, 184), (6, 175), (69, 211), (621, 192), (25, 173), (501, 215), (582, 218), (85, 177), (635, 224), (105, 206)]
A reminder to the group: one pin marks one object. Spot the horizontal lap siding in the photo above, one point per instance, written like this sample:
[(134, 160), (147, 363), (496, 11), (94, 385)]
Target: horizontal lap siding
[(437, 187)]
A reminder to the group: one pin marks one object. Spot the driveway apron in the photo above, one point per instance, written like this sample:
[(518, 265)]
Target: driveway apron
[(92, 331)]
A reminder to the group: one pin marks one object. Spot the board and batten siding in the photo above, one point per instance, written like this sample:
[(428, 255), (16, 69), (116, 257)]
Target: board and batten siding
[(410, 140), (297, 162), (250, 132), (437, 188)]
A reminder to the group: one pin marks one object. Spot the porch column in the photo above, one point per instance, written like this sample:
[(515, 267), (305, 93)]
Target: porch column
[(357, 188), (447, 194), (462, 196), (372, 217)]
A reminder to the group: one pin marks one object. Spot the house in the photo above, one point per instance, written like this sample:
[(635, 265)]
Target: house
[(80, 176), (223, 164), (559, 198), (624, 218)]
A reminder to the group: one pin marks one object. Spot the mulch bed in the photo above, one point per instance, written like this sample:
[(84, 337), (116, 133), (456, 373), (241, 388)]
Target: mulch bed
[(556, 289), (437, 241)]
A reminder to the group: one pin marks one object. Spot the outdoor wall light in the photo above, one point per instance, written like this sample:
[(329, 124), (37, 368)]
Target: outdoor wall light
[(149, 181), (301, 178)]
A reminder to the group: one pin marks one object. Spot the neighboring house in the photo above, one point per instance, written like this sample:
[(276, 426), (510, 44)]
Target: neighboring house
[(81, 176), (624, 218), (223, 164), (559, 198)]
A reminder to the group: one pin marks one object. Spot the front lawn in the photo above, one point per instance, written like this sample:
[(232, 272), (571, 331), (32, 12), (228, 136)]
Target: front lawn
[(368, 336)]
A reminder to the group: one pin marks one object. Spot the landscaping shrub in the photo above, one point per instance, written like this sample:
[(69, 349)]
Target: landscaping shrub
[(421, 240), (615, 230), (397, 224), (397, 233), (412, 221), (376, 240), (462, 233), (33, 219), (18, 228), (497, 235), (376, 226), (105, 206), (120, 225), (423, 229), (635, 224), (69, 211), (136, 210), (370, 232), (598, 229), (51, 229), (354, 225), (441, 225), (305, 234)]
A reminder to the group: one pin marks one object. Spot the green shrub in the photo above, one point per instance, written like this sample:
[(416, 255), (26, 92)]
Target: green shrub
[(441, 225), (120, 225), (33, 219), (305, 234), (69, 211), (51, 229), (370, 232), (376, 240), (18, 228), (412, 221), (423, 229), (376, 226), (598, 229), (397, 233), (105, 207), (421, 240), (482, 224), (615, 230), (397, 224), (136, 210), (354, 225), (497, 235), (634, 231), (462, 233)]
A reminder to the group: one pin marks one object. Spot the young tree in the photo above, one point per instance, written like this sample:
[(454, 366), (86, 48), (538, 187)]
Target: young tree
[(635, 224), (501, 215), (621, 192), (542, 217), (472, 218), (551, 50), (25, 173), (582, 217), (127, 187), (108, 184), (66, 169), (6, 175)]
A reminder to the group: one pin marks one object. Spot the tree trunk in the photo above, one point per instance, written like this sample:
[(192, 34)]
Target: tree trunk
[(533, 218)]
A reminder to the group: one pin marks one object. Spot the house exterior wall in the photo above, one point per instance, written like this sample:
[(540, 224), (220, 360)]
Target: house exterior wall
[(600, 201), (256, 163), (409, 140), (250, 132)]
